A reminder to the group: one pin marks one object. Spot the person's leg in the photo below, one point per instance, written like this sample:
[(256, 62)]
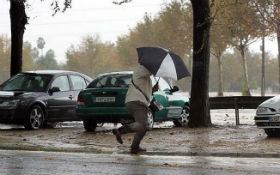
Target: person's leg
[(140, 124), (139, 112)]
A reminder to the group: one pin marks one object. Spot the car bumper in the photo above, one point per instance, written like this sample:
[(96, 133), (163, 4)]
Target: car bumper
[(267, 121), (13, 115), (7, 115), (102, 113)]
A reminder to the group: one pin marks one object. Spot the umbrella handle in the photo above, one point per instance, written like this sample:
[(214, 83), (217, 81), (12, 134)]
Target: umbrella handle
[(155, 86), (158, 80)]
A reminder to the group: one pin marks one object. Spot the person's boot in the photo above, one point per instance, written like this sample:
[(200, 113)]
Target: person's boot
[(137, 150), (117, 133)]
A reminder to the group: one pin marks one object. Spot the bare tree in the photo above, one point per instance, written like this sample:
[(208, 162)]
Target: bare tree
[(200, 109), (244, 26), (270, 13), (19, 19)]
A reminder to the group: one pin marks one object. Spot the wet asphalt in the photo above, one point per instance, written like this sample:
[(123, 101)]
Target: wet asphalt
[(50, 163), (164, 139), (68, 149)]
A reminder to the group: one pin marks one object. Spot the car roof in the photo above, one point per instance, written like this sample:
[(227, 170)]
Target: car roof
[(48, 71), (55, 72), (116, 73)]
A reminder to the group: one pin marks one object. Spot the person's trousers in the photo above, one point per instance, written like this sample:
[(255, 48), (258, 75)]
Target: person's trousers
[(139, 111)]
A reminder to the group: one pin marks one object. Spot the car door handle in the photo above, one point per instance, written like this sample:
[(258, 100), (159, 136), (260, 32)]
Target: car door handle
[(71, 97)]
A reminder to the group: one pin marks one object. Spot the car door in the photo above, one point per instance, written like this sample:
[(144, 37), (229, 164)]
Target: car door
[(168, 100), (60, 104), (161, 97), (78, 83)]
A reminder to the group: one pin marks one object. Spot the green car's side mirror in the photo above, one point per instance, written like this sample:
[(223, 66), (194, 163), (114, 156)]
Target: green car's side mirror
[(174, 89)]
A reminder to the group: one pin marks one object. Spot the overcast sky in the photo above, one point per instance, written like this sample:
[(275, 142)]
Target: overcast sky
[(86, 17)]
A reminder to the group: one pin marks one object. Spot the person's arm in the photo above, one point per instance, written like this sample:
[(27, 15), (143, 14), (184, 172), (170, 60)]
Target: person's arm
[(155, 87)]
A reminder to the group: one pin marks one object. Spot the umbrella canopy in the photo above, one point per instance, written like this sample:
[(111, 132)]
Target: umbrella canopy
[(162, 62)]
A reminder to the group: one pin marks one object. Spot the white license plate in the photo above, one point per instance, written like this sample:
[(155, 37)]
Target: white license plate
[(105, 99), (274, 119)]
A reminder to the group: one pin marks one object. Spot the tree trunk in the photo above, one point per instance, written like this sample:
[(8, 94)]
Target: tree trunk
[(190, 70), (220, 72), (200, 111), (278, 42), (18, 20), (246, 90), (263, 67)]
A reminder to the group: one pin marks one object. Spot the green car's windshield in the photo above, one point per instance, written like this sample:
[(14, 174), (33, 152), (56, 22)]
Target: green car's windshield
[(117, 80), (27, 82)]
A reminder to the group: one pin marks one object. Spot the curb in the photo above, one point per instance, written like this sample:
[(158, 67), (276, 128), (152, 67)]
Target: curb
[(150, 153), (217, 154)]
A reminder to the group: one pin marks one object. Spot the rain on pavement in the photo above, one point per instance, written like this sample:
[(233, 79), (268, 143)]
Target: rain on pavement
[(224, 137), (49, 163)]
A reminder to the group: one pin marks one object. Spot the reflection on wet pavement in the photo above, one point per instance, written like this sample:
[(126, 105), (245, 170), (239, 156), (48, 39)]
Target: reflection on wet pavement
[(49, 163), (164, 138)]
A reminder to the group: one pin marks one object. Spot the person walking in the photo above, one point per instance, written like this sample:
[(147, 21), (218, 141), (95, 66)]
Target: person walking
[(138, 106)]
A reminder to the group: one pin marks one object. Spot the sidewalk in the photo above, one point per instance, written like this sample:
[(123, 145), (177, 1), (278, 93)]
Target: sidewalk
[(225, 141)]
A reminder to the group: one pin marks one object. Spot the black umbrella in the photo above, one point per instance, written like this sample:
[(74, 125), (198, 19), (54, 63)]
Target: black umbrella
[(162, 62)]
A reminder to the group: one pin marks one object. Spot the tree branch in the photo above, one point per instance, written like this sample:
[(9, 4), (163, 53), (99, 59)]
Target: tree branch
[(121, 2)]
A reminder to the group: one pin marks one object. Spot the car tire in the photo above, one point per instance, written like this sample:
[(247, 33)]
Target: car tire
[(99, 124), (150, 120), (183, 120), (35, 118), (272, 132), (90, 125)]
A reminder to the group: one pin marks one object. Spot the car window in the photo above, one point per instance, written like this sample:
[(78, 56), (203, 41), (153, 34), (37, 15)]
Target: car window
[(78, 82), (62, 83), (98, 83), (27, 82), (117, 80), (127, 79), (163, 85)]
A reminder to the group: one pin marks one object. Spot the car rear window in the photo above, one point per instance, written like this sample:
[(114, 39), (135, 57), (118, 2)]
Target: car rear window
[(111, 81)]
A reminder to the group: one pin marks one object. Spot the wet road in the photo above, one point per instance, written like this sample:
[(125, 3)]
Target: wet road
[(50, 163)]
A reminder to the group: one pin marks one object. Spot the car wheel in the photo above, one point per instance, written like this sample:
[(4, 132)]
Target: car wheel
[(90, 125), (150, 120), (272, 132), (35, 118), (99, 124), (184, 117)]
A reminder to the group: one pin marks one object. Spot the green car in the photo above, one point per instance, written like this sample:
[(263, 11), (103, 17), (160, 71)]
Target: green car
[(103, 101)]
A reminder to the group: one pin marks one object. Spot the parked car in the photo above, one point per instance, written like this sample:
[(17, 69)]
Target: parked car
[(268, 116), (103, 101), (41, 98)]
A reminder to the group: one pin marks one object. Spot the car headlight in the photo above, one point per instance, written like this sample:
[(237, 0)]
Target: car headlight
[(262, 110), (13, 103), (10, 103)]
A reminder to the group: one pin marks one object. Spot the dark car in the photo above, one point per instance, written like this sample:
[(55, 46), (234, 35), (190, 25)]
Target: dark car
[(103, 101), (41, 98)]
